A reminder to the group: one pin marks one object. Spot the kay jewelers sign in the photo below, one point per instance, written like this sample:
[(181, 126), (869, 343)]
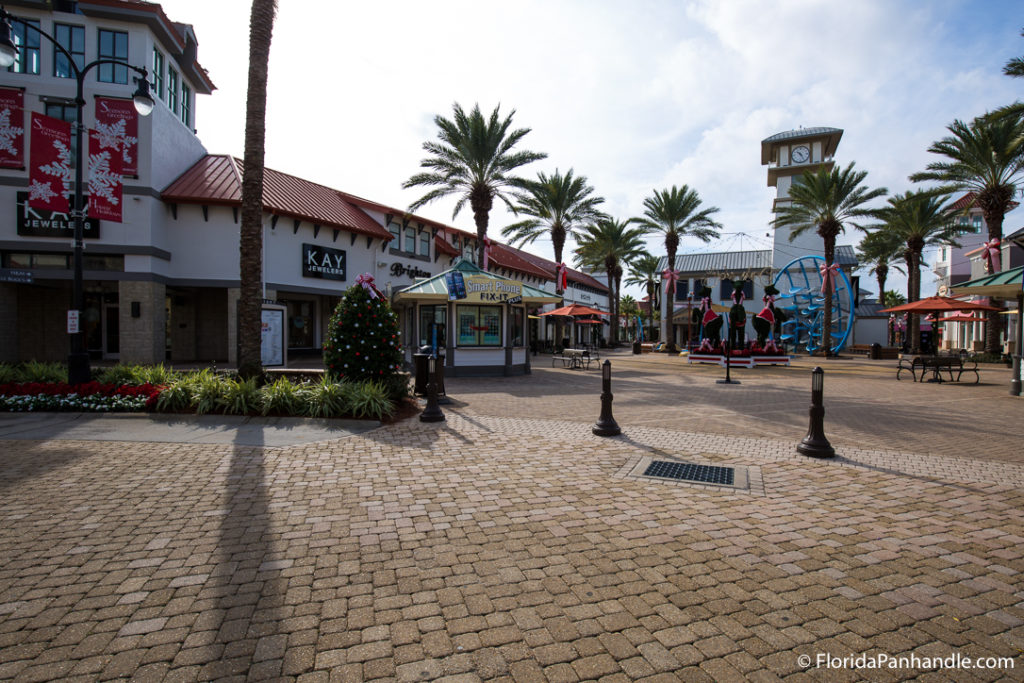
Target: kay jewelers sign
[(484, 289)]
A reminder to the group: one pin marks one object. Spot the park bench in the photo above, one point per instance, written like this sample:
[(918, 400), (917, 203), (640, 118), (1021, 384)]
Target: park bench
[(936, 364)]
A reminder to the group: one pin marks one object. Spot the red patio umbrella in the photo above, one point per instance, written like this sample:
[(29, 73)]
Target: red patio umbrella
[(938, 304), (962, 319), (587, 321), (575, 309)]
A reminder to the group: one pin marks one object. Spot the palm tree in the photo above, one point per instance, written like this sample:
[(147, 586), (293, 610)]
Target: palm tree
[(1015, 67), (879, 251), (677, 213), (919, 220), (628, 308), (986, 157), (644, 273), (473, 159), (556, 205), (826, 201), (250, 256), (608, 244)]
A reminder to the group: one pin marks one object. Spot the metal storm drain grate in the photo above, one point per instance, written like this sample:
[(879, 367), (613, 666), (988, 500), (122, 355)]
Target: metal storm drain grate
[(684, 471)]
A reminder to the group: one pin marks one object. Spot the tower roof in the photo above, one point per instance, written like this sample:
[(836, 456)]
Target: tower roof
[(770, 144)]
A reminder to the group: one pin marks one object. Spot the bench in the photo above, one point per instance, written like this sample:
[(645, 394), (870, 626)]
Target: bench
[(936, 364), (885, 353)]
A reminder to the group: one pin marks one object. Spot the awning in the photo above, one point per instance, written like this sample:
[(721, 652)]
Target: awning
[(1002, 285), (436, 287)]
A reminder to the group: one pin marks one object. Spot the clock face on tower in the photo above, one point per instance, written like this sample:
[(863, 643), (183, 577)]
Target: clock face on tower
[(801, 154)]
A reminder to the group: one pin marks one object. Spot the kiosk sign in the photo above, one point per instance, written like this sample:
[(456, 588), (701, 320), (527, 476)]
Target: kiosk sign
[(488, 290)]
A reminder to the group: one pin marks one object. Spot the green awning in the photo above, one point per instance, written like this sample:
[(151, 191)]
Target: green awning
[(436, 288), (1003, 285)]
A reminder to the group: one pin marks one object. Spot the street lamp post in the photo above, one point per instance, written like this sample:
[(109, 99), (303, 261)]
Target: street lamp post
[(78, 358), (1015, 381)]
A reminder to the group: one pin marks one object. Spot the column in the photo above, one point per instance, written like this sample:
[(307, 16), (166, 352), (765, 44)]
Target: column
[(143, 337)]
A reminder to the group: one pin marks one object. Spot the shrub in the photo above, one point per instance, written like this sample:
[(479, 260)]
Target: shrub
[(9, 373), (397, 387), (370, 399), (36, 371), (327, 399), (239, 396), (176, 398), (207, 393), (283, 397), (362, 339), (136, 374)]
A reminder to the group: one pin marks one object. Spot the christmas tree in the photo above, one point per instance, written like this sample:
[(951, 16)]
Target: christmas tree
[(362, 342)]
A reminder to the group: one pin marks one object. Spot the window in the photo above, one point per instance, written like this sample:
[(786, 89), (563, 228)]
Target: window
[(424, 244), (72, 39), (158, 73), (479, 325), (727, 289), (432, 318), (113, 45), (172, 89), (61, 261), (468, 252), (65, 112), (517, 327), (26, 61), (975, 223), (410, 240), (186, 105), (682, 289), (396, 234)]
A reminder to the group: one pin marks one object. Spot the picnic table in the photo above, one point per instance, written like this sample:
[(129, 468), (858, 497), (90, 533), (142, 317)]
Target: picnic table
[(936, 363), (574, 358)]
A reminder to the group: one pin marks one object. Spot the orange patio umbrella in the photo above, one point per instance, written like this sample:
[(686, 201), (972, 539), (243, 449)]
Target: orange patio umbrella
[(575, 309), (939, 304)]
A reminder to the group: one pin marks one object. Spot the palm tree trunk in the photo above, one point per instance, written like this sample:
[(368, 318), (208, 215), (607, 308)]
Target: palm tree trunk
[(650, 309), (826, 326), (618, 301), (250, 258), (610, 270), (914, 328), (668, 299), (558, 244), (993, 328)]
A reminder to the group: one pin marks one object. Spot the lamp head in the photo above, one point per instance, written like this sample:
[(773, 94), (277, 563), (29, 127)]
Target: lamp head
[(8, 50), (142, 99), (432, 364), (606, 370), (817, 380)]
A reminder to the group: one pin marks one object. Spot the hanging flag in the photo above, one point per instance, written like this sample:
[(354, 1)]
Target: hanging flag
[(49, 176), (117, 123), (105, 199), (12, 128)]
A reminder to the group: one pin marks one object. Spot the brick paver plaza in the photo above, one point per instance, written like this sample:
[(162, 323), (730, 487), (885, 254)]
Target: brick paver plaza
[(510, 544)]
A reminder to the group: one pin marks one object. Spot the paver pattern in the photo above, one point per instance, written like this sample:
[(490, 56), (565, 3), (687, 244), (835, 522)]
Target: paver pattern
[(510, 544)]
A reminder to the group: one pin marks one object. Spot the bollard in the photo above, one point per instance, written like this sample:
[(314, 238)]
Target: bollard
[(432, 413), (728, 364), (815, 444), (606, 424)]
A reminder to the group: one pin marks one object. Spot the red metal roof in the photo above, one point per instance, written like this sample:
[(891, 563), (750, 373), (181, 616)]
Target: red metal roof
[(216, 179), (441, 245), (571, 275), (509, 258), (967, 201)]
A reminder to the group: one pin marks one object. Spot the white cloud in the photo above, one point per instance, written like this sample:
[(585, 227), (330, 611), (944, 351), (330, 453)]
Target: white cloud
[(635, 96)]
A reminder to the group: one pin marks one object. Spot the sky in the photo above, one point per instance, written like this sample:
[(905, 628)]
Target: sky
[(636, 96)]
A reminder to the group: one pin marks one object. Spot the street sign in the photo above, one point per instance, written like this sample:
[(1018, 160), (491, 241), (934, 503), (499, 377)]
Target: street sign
[(514, 300), (21, 276), (72, 322)]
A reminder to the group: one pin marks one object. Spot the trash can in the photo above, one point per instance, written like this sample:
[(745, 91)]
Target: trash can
[(876, 351), (421, 365), (421, 368), (636, 348)]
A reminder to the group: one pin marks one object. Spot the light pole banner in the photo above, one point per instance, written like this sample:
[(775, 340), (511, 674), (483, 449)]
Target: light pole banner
[(49, 176), (12, 128), (117, 123), (104, 179)]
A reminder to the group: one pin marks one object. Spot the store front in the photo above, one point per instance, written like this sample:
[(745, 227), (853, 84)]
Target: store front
[(477, 318)]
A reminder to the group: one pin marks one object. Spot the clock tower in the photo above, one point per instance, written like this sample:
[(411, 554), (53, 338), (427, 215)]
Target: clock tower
[(787, 156)]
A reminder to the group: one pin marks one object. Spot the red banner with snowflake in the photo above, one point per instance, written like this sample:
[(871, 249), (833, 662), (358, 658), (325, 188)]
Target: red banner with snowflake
[(117, 123), (105, 199), (49, 175), (12, 128)]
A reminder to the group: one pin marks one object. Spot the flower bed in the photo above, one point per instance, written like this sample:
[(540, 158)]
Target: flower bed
[(89, 397)]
